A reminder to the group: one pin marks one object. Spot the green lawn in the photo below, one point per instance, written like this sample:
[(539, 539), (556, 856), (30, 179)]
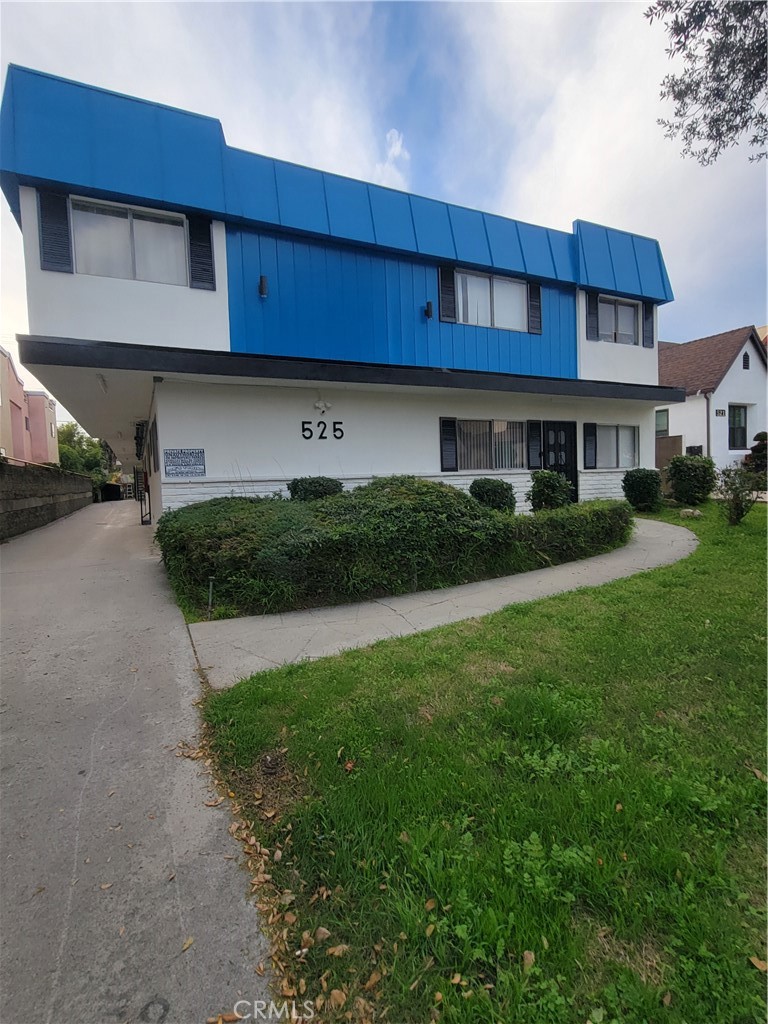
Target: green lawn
[(565, 779)]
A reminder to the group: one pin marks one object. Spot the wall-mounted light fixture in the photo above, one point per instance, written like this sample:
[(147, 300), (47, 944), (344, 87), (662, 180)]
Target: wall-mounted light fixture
[(428, 310), (263, 290), (322, 406)]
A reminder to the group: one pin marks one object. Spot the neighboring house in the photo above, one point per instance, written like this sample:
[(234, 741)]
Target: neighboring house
[(228, 321), (724, 377), (27, 418)]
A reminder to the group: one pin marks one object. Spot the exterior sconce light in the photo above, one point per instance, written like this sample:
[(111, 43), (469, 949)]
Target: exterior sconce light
[(263, 291), (428, 310)]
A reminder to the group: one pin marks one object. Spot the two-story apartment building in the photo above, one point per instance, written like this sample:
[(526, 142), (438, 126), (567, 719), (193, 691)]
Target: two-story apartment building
[(27, 418), (233, 321)]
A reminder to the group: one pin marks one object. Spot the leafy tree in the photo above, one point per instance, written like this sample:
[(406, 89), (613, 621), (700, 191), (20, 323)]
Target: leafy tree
[(80, 453), (722, 92)]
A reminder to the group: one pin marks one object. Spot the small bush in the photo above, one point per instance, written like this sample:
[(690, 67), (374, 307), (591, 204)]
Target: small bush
[(392, 536), (549, 490), (757, 460), (642, 489), (310, 488), (738, 490), (691, 477), (493, 493)]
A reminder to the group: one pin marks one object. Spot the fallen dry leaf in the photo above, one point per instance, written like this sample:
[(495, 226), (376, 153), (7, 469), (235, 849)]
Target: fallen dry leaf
[(404, 837), (529, 959), (107, 885), (429, 929), (619, 808), (373, 981), (337, 998), (321, 934), (456, 979), (667, 999), (430, 904), (438, 997), (756, 772), (277, 855), (761, 965), (290, 918), (337, 950), (187, 943)]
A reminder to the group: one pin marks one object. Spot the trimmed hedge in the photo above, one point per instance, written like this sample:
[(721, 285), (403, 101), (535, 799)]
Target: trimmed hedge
[(642, 489), (311, 488), (393, 536), (549, 490), (692, 478), (493, 493)]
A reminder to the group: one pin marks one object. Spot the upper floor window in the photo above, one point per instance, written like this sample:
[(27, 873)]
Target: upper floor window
[(107, 240), (621, 321), (491, 301), (617, 321), (745, 361), (112, 241), (486, 300)]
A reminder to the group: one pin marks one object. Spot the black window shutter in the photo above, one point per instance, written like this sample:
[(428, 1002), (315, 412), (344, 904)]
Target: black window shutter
[(201, 272), (447, 294), (55, 241), (534, 444), (647, 325), (593, 331), (534, 308), (449, 456), (590, 446)]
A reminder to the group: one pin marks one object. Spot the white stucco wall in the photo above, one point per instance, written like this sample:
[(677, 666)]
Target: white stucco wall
[(603, 360), (689, 419), (739, 387), (111, 309), (253, 442)]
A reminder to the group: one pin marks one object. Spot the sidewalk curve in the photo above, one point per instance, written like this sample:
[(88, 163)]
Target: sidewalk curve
[(231, 649)]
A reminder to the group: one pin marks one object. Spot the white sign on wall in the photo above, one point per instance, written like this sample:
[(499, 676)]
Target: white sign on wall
[(184, 461)]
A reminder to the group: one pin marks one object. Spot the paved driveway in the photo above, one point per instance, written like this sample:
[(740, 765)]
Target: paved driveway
[(110, 860)]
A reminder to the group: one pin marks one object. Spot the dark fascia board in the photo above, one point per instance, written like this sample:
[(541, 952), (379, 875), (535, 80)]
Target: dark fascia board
[(104, 355)]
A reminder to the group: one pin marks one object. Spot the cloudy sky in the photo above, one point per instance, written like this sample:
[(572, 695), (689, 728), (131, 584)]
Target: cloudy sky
[(545, 112)]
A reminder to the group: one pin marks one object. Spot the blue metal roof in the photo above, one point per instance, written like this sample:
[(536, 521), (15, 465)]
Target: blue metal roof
[(101, 143)]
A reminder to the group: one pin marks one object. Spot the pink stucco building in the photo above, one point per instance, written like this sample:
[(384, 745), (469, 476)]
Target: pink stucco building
[(27, 418)]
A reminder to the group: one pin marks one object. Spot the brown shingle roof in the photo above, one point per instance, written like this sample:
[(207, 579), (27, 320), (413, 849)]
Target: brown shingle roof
[(701, 365)]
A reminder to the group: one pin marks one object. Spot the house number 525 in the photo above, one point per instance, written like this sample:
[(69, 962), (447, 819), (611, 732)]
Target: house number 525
[(319, 430)]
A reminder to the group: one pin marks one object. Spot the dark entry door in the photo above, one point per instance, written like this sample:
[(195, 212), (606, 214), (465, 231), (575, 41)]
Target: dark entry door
[(558, 451)]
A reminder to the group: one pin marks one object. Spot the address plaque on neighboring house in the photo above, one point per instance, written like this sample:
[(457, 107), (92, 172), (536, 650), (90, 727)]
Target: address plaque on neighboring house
[(184, 461)]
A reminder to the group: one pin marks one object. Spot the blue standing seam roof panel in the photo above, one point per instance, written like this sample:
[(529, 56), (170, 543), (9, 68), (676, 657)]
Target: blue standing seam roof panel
[(392, 221), (469, 235), (301, 198), (349, 209), (250, 186), (96, 142), (504, 241), (433, 228), (538, 256)]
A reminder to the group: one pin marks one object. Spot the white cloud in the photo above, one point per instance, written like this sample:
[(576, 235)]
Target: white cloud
[(569, 94), (393, 171)]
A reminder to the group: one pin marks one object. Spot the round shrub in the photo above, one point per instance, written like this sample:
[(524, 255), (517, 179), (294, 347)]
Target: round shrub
[(549, 490), (642, 489), (310, 488), (692, 478), (493, 493), (757, 460)]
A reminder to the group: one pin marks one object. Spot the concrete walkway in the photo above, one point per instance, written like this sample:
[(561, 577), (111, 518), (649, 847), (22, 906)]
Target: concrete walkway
[(110, 860), (231, 649)]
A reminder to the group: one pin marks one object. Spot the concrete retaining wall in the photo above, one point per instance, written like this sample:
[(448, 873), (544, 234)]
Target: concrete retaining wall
[(32, 496)]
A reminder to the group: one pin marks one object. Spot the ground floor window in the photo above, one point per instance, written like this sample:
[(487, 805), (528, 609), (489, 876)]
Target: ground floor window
[(737, 426), (490, 444), (662, 423), (610, 446)]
